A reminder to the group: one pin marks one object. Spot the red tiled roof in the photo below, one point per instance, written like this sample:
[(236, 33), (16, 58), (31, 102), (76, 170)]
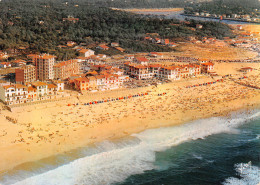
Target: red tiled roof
[(208, 64), (50, 86), (82, 79), (141, 59), (104, 46)]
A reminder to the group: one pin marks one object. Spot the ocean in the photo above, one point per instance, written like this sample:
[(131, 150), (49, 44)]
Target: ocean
[(207, 151)]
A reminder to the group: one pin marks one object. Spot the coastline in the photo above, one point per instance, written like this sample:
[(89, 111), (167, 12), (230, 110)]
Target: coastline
[(217, 18), (148, 112)]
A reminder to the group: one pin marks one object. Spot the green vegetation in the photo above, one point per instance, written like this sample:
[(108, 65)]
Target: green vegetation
[(39, 26)]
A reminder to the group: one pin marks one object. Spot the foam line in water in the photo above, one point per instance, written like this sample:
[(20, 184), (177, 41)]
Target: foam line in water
[(118, 161), (249, 175)]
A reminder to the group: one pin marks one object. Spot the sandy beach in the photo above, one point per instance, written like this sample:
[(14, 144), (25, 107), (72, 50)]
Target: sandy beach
[(51, 128)]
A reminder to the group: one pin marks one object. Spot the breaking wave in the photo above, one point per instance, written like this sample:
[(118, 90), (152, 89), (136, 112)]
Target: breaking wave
[(116, 161), (249, 175)]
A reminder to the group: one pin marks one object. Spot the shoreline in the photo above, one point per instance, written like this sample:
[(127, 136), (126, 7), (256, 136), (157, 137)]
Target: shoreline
[(73, 152), (217, 18), (159, 114)]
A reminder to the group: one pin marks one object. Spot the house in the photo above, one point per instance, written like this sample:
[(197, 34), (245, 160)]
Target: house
[(3, 56), (148, 38), (207, 67), (172, 44), (112, 81), (51, 89), (101, 56), (101, 82), (92, 82), (120, 49), (122, 79), (199, 26), (141, 60), (81, 84), (59, 84), (170, 72), (114, 44), (190, 70), (157, 40), (5, 64), (154, 69), (129, 57), (18, 63), (117, 71), (70, 19), (71, 43), (156, 55), (86, 52), (13, 94), (165, 41), (103, 47), (32, 93), (246, 69), (140, 71), (234, 15), (41, 87)]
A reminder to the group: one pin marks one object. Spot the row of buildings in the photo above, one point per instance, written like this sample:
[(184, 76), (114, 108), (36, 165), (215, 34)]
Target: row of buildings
[(244, 17), (30, 92), (101, 77), (44, 68), (140, 71)]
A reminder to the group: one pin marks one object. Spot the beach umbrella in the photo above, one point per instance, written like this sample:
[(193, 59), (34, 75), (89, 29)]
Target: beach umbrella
[(69, 104)]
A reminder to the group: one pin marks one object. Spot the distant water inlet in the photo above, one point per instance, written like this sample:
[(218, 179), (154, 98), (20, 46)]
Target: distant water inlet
[(143, 154), (180, 16)]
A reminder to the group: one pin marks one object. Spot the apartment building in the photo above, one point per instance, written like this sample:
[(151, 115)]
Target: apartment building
[(66, 69), (25, 74), (44, 66)]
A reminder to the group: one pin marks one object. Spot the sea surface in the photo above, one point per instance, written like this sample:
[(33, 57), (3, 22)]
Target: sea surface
[(207, 151)]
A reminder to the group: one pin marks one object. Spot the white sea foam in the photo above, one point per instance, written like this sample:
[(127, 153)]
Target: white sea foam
[(116, 162), (248, 176)]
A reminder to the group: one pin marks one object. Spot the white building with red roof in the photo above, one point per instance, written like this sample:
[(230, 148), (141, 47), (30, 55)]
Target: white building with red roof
[(86, 52)]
